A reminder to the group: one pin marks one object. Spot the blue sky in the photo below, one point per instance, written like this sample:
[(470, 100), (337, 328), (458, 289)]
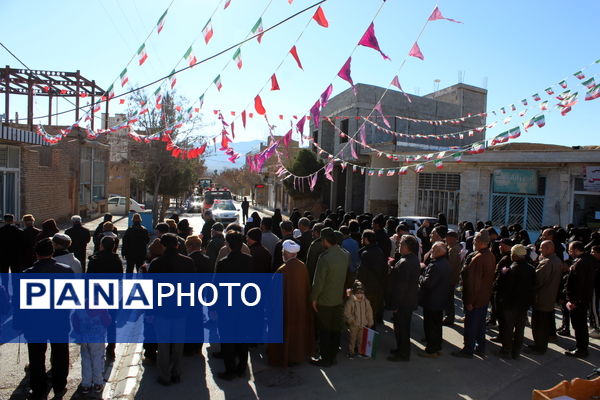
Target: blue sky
[(513, 48)]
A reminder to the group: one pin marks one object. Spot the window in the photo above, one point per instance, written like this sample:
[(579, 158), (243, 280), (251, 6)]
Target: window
[(45, 157), (524, 209), (9, 179), (92, 176), (438, 193), (344, 128)]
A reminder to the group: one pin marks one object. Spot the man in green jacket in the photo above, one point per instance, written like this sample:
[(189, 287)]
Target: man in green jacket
[(328, 294)]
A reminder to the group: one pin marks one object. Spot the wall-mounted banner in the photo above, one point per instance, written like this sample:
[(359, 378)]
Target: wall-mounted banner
[(520, 181), (138, 308)]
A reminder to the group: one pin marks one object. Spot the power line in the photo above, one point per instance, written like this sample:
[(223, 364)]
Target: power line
[(13, 54), (283, 21)]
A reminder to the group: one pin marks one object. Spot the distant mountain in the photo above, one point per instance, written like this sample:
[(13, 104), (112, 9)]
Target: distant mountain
[(219, 160)]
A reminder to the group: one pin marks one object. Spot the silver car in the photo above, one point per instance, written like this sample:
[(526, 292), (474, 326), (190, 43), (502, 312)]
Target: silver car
[(225, 211)]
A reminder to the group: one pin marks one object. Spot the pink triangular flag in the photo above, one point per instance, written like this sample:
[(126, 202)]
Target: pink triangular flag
[(370, 40), (363, 135), (379, 110), (315, 112), (328, 170), (437, 14), (345, 73), (415, 51), (313, 181), (325, 95), (396, 82), (287, 138), (353, 150), (300, 125)]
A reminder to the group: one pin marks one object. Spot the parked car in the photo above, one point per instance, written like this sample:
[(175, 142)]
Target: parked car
[(194, 204), (415, 222), (211, 195), (117, 205), (225, 211)]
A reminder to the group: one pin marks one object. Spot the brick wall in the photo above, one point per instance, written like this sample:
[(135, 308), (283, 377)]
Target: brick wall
[(47, 191)]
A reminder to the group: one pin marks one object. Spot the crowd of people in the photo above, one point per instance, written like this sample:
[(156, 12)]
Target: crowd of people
[(341, 271)]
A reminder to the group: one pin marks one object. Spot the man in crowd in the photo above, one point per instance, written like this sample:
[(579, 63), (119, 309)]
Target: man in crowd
[(372, 272), (515, 295), (306, 239), (504, 247), (404, 279), (100, 230), (547, 281), (269, 239), (61, 243), (315, 250), (202, 265), (287, 233), (423, 234), (478, 281), (298, 340), (245, 208), (80, 237), (455, 261), (261, 257), (381, 238), (327, 301), (579, 289), (135, 240), (217, 241), (30, 233), (235, 355), (166, 323), (11, 248), (209, 221), (434, 286)]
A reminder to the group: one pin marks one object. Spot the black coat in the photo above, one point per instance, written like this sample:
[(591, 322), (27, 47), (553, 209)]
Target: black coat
[(305, 242), (404, 283), (515, 288), (423, 234), (105, 261), (29, 239), (214, 246), (235, 263), (98, 234), (580, 280), (201, 262), (171, 262), (372, 271), (80, 237), (384, 242), (206, 228), (261, 258), (434, 284), (11, 245), (135, 241)]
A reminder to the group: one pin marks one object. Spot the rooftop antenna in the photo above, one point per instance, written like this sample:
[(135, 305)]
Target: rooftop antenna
[(461, 75), (436, 85)]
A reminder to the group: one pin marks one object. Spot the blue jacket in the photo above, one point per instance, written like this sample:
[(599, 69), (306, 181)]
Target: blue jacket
[(351, 246), (434, 284)]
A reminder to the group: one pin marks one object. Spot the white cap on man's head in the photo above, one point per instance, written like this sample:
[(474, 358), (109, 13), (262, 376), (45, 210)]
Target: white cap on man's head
[(290, 246), (76, 219)]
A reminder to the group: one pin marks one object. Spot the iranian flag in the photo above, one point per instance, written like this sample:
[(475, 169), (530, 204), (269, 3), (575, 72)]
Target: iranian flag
[(477, 148), (161, 22), (207, 32), (457, 157), (514, 133), (544, 105), (257, 29), (579, 75), (218, 83), (564, 95), (549, 91), (380, 173), (419, 168), (513, 107), (200, 102), (391, 172), (439, 164), (403, 171), (593, 93), (522, 113), (540, 121), (529, 123), (524, 101), (111, 91), (563, 84), (173, 79), (142, 55), (536, 97), (590, 83), (124, 78), (237, 56), (96, 107), (371, 173), (501, 138), (227, 3), (189, 57)]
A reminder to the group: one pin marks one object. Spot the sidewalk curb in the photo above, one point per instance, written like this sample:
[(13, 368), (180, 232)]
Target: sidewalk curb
[(125, 376)]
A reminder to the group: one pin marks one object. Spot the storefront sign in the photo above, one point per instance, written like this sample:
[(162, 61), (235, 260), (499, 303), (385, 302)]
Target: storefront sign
[(592, 179), (520, 181)]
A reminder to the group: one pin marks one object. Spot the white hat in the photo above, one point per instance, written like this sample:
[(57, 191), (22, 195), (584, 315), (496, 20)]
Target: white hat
[(290, 246), (297, 233)]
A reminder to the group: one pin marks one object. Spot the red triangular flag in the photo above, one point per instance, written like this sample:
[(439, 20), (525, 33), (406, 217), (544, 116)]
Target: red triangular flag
[(244, 118), (320, 17), (415, 51), (370, 40), (274, 83), (258, 106), (294, 53)]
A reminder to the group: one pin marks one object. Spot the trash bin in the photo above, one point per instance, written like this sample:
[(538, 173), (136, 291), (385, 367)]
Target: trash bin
[(146, 220)]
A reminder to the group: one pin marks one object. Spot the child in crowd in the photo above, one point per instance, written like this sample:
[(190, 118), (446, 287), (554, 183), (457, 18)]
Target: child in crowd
[(90, 330), (357, 314)]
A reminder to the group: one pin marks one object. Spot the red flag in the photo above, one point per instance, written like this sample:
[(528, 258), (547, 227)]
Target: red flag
[(437, 14), (370, 40), (201, 150), (415, 51), (233, 130), (244, 118), (274, 83), (320, 17), (294, 53), (258, 106)]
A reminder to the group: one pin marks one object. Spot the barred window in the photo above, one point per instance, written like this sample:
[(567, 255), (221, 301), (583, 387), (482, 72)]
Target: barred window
[(439, 193)]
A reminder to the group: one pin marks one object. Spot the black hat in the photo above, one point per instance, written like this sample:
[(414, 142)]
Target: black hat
[(255, 234), (218, 227)]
